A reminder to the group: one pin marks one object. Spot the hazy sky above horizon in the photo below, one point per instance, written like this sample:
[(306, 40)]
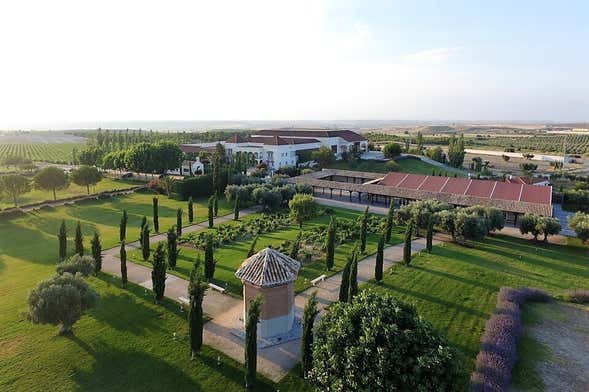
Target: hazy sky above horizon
[(273, 60)]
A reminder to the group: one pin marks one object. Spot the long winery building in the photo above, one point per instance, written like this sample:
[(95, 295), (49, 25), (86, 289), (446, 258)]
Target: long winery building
[(513, 199)]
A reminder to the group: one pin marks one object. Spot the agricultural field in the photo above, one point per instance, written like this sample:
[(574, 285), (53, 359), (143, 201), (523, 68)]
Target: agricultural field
[(455, 287), (51, 152), (230, 256), (553, 144)]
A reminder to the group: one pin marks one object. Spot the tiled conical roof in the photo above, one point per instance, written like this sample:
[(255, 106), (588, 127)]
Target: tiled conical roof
[(268, 268)]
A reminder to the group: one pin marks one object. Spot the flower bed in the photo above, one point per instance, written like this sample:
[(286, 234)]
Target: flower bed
[(503, 330)]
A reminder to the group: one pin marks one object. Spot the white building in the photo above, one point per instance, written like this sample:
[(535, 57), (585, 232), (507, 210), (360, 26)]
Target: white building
[(189, 168), (281, 147)]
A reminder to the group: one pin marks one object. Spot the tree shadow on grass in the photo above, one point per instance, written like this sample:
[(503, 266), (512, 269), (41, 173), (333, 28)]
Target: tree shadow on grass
[(457, 278)]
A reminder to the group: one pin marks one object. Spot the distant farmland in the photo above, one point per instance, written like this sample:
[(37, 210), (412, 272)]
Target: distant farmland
[(48, 152)]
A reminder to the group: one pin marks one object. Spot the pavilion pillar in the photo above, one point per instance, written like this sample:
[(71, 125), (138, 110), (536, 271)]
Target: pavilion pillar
[(331, 193), (350, 195)]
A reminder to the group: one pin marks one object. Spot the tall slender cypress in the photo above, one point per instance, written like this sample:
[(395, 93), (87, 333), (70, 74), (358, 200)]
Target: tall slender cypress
[(390, 222), (353, 285), (123, 257), (79, 240), (251, 341), (190, 210), (179, 222), (210, 211), (156, 220), (311, 311), (173, 250), (236, 208), (407, 246), (158, 274), (145, 251), (330, 246), (216, 205), (209, 259), (378, 267), (429, 238), (296, 246), (364, 231), (62, 238), (96, 252), (143, 224), (196, 293), (345, 283), (252, 249), (123, 226)]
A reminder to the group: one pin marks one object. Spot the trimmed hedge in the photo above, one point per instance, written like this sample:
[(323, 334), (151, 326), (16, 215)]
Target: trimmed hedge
[(503, 330), (200, 186)]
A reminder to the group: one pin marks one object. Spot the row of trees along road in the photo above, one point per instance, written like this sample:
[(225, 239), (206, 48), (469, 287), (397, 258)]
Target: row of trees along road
[(50, 179)]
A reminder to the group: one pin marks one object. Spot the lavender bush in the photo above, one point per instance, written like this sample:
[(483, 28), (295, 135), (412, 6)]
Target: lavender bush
[(503, 330)]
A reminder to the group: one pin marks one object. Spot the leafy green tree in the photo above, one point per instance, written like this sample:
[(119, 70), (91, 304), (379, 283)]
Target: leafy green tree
[(470, 226), (96, 251), (173, 250), (377, 343), (353, 285), (209, 259), (302, 207), (123, 257), (391, 150), (236, 208), (580, 224), (447, 222), (62, 239), (330, 245), (364, 230), (252, 249), (296, 246), (211, 206), (323, 156), (407, 244), (123, 226), (309, 314), (145, 250), (156, 221), (15, 185), (251, 341), (79, 240), (158, 274), (86, 176), (549, 226), (196, 293), (390, 222), (190, 210), (179, 222), (62, 299), (84, 265), (51, 178), (378, 267), (456, 151)]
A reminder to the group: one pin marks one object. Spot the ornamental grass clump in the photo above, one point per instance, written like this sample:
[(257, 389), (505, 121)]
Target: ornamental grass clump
[(503, 330), (577, 296)]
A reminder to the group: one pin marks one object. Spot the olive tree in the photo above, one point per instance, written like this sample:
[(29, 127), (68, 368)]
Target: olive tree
[(302, 207), (14, 185), (51, 179), (62, 299), (86, 176), (580, 224)]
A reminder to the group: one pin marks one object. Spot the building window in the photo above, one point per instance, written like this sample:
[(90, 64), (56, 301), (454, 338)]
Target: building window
[(334, 148)]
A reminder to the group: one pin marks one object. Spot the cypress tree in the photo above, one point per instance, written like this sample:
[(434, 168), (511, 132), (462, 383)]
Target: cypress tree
[(96, 252), (196, 293), (429, 238), (345, 283), (211, 202), (378, 267), (209, 260), (143, 224), (236, 208), (173, 250), (353, 285), (252, 250), (190, 210), (158, 274), (216, 205), (123, 256), (62, 238), (145, 251), (407, 246), (363, 231), (79, 240), (296, 246), (156, 221), (330, 246), (179, 222), (390, 222), (311, 311), (251, 341), (123, 226)]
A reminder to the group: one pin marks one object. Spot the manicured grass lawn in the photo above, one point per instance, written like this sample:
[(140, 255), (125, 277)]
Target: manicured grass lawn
[(455, 287), (408, 165), (37, 195), (230, 256)]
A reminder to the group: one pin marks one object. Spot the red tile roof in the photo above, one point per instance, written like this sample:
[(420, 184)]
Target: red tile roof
[(269, 140), (191, 148), (480, 188), (347, 135), (412, 182), (506, 191), (456, 186), (536, 194)]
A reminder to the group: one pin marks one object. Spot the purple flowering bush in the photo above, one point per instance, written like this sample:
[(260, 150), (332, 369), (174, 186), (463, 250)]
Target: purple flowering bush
[(503, 330)]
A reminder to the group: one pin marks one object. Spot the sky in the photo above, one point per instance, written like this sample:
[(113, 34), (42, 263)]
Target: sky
[(126, 60)]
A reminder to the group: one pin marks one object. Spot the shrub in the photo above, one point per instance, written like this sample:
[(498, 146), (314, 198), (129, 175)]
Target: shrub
[(156, 186), (76, 264), (577, 296)]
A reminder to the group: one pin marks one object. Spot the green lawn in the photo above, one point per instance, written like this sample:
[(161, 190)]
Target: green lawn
[(407, 165), (455, 288), (37, 195), (231, 256)]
